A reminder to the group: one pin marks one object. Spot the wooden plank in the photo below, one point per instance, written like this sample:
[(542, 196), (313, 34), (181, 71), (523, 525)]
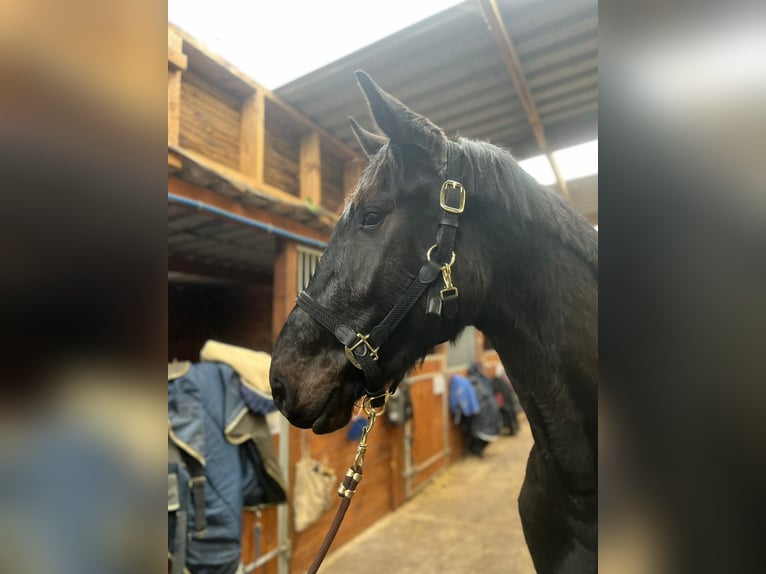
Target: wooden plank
[(174, 106), (206, 113), (372, 501), (288, 164), (185, 189), (283, 146), (311, 168), (209, 122), (282, 152), (174, 162), (176, 263), (210, 171), (253, 145), (281, 180), (232, 101)]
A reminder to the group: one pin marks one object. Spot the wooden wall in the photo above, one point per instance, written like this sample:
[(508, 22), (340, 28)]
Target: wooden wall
[(427, 430), (333, 192), (282, 155), (233, 313), (210, 120), (244, 130), (374, 498)]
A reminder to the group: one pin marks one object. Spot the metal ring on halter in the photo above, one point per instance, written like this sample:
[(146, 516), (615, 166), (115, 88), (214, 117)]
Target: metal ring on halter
[(369, 409), (431, 249)]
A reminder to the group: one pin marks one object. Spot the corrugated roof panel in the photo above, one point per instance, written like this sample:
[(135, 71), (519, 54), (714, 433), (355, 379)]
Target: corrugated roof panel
[(449, 69)]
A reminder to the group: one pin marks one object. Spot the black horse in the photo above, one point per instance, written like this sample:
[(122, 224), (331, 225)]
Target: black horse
[(527, 273)]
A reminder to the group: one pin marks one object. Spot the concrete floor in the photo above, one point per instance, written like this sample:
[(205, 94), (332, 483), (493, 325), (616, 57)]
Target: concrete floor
[(466, 521)]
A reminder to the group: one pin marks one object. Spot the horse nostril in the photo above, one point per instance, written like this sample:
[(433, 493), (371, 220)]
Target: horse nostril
[(278, 391)]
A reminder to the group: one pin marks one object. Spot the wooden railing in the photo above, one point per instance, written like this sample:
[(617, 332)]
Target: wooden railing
[(229, 123)]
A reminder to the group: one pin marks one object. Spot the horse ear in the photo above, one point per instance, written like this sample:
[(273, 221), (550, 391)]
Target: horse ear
[(399, 122), (369, 141)]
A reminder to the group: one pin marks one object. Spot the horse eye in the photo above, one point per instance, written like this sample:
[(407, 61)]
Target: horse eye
[(372, 218)]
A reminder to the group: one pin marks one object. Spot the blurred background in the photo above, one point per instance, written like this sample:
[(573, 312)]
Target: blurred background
[(675, 97)]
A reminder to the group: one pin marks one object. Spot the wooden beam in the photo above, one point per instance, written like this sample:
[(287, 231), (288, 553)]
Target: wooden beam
[(352, 171), (175, 40), (185, 189), (236, 176), (252, 142), (311, 168), (494, 19), (220, 63), (177, 60), (174, 106), (174, 162), (182, 265), (285, 284)]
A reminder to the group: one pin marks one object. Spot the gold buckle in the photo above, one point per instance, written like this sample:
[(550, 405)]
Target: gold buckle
[(443, 196), (431, 250), (448, 293), (361, 339)]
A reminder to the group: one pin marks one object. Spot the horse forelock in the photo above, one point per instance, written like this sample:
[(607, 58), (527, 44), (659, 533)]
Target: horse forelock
[(380, 175)]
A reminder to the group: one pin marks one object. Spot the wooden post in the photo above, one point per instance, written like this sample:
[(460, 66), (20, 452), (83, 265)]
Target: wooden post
[(174, 106), (311, 168), (176, 58), (177, 62), (352, 170), (252, 141), (285, 284)]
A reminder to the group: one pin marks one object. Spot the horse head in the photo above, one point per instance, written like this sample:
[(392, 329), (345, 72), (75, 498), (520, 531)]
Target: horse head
[(377, 248)]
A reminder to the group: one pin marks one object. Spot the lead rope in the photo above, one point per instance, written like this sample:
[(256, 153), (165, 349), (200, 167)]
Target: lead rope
[(353, 477)]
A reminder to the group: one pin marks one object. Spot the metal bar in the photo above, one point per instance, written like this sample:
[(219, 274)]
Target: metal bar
[(494, 19), (407, 460), (261, 560), (446, 418), (173, 198), (425, 464), (283, 531)]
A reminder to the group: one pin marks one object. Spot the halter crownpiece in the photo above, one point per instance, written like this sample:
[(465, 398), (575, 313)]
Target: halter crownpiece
[(362, 349)]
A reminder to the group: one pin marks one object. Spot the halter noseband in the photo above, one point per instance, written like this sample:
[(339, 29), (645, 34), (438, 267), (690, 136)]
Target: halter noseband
[(362, 350)]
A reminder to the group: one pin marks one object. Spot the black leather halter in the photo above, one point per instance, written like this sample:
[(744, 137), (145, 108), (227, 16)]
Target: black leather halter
[(362, 349)]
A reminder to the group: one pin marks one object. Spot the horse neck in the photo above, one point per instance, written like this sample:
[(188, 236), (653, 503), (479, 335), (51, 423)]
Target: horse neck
[(540, 311)]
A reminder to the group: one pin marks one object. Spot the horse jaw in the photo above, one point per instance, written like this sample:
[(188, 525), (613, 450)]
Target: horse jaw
[(313, 386)]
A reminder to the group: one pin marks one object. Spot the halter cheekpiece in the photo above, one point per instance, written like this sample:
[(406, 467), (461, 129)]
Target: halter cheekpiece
[(362, 349)]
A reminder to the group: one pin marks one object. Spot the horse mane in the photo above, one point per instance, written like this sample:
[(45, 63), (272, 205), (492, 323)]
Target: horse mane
[(491, 171)]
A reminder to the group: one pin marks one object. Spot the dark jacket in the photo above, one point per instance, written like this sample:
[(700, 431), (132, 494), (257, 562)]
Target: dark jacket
[(229, 450), (487, 423)]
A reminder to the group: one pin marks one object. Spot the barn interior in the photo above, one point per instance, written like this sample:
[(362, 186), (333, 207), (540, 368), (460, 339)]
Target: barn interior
[(257, 179)]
